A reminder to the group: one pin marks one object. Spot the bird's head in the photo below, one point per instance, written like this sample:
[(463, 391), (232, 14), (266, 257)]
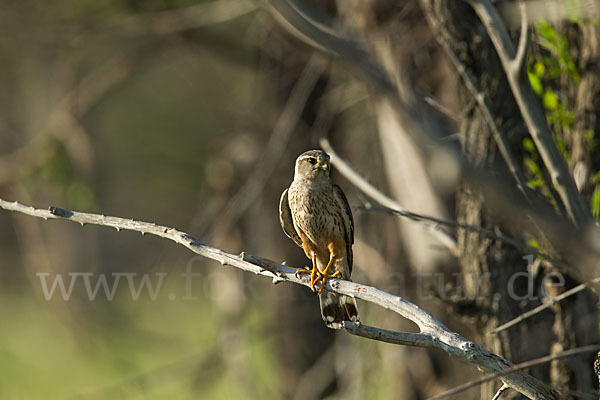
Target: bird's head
[(313, 164)]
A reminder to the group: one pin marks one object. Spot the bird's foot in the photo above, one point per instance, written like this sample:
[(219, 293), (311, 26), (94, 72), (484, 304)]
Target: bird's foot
[(315, 276), (325, 276)]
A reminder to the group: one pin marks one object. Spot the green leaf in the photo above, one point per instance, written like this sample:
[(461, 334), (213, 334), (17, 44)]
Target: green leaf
[(536, 83), (595, 202), (532, 166), (573, 72), (533, 183), (548, 34), (590, 141), (568, 118), (550, 100), (529, 145), (539, 68)]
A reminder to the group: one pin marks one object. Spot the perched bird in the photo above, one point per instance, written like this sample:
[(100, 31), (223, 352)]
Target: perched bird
[(316, 215)]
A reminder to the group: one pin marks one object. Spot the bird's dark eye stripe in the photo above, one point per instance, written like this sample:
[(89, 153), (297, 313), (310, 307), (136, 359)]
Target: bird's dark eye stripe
[(312, 160)]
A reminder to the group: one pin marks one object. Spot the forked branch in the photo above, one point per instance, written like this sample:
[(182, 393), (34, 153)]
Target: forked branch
[(531, 109)]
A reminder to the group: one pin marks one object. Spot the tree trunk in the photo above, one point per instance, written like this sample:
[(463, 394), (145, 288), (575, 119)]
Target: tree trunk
[(497, 282)]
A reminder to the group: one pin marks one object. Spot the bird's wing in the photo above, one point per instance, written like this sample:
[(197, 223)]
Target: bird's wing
[(285, 217), (342, 201)]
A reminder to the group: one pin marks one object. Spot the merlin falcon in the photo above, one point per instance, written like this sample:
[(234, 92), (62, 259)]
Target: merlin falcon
[(315, 214)]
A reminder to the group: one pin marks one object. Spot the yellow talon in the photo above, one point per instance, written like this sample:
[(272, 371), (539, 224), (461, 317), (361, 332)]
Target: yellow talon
[(313, 272), (325, 276), (315, 275)]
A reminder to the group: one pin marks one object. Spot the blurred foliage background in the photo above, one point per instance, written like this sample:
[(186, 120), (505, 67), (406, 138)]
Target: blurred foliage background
[(190, 114)]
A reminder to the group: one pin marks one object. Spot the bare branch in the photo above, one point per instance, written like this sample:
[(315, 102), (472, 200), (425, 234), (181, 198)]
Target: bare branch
[(523, 39), (384, 335), (527, 364), (502, 389), (441, 108), (300, 21), (549, 302), (432, 332), (532, 112)]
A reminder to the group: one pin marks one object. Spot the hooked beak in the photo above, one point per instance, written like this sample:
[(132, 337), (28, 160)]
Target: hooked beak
[(324, 166)]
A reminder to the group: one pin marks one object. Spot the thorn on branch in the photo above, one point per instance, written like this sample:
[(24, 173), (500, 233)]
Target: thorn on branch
[(247, 257)]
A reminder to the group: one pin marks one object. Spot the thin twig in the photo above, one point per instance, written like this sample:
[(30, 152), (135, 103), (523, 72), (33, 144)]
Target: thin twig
[(523, 365), (523, 39), (502, 389), (549, 302), (441, 108), (432, 334)]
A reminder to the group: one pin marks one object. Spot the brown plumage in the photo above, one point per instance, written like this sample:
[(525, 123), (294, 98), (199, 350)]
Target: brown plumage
[(315, 214)]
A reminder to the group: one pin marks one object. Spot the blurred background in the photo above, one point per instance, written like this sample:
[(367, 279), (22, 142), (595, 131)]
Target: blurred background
[(190, 114)]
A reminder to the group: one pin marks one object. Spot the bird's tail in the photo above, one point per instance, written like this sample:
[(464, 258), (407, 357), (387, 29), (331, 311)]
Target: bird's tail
[(336, 308)]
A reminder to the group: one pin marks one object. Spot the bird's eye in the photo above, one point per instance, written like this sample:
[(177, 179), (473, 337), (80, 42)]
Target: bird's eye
[(312, 160)]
